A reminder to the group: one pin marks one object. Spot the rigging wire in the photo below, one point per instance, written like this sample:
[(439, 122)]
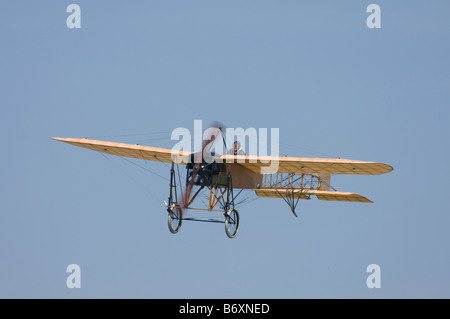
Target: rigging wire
[(248, 198), (160, 176), (309, 150), (132, 178), (132, 134), (137, 138)]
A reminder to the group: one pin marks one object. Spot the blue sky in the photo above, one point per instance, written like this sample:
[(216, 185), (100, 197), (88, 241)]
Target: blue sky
[(333, 87)]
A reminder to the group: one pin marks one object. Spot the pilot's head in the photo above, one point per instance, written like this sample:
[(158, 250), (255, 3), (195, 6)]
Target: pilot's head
[(236, 146)]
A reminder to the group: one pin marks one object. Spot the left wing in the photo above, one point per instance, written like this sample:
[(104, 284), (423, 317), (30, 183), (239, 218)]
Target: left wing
[(135, 151)]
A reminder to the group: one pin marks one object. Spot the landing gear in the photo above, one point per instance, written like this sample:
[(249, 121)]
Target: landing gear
[(232, 223), (214, 180)]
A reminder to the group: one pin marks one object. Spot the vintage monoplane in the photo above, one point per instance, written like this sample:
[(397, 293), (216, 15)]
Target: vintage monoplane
[(222, 180)]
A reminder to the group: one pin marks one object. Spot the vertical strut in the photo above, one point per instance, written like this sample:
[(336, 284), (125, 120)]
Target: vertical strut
[(171, 185)]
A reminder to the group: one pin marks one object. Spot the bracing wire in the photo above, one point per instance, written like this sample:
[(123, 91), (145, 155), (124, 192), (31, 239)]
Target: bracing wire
[(129, 161), (132, 178), (132, 134), (137, 138)]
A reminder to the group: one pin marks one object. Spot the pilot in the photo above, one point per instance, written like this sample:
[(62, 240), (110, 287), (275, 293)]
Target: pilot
[(236, 149)]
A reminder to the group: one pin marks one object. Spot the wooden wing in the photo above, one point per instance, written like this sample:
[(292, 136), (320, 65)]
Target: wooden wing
[(299, 165), (129, 150), (256, 164)]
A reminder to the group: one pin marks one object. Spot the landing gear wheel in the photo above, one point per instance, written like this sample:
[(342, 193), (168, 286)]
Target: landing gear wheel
[(174, 220), (232, 223)]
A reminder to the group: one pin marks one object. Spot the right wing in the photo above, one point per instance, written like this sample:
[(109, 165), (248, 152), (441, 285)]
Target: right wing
[(299, 165)]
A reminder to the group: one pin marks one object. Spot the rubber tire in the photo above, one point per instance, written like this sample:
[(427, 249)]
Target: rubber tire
[(231, 216), (172, 222)]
